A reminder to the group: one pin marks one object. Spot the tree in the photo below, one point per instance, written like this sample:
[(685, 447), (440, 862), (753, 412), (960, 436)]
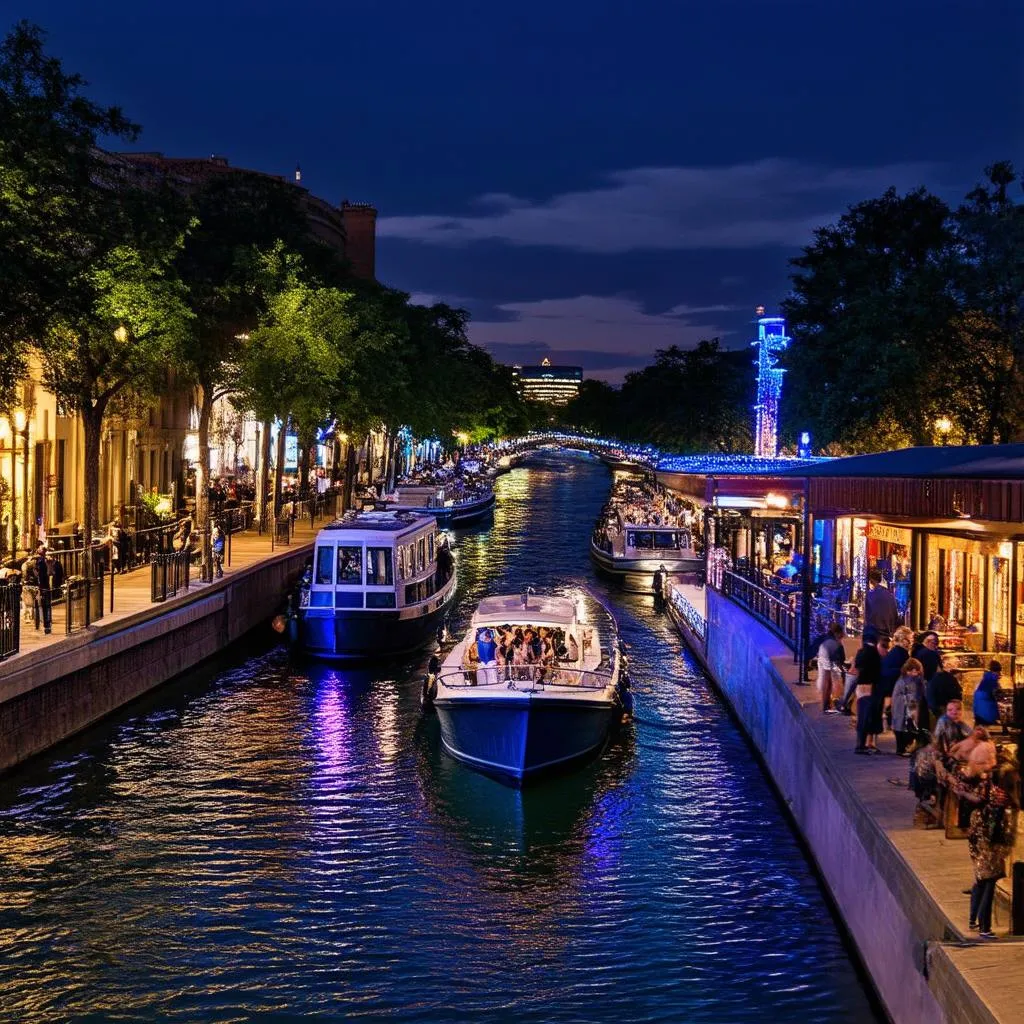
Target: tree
[(124, 340), (52, 222), (870, 311)]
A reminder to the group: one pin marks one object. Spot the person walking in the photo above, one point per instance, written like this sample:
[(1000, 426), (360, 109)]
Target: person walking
[(880, 611), (867, 667), (831, 662), (907, 701), (990, 838), (892, 669)]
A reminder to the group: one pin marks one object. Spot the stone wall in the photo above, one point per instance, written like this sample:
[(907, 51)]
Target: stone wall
[(57, 691), (887, 911)]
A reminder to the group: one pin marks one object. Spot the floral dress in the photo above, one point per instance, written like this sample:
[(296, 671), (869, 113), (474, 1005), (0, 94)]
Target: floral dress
[(991, 835)]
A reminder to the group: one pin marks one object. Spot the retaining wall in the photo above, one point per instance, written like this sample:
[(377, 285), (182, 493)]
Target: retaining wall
[(54, 692), (888, 912)]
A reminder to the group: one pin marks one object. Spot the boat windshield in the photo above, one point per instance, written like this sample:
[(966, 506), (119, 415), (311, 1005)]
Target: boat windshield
[(653, 540)]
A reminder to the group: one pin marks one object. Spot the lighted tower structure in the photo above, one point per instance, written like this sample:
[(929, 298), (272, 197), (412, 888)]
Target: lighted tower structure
[(771, 340)]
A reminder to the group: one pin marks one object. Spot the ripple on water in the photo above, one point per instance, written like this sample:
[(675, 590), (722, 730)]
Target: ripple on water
[(275, 841)]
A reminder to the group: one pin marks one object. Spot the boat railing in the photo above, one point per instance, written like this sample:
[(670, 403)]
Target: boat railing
[(527, 678)]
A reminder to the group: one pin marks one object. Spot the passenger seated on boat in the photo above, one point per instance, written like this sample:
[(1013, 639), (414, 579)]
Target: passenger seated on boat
[(470, 663)]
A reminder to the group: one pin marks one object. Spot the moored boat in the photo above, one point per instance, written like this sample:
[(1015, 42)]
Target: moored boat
[(633, 555), (451, 505), (381, 585), (551, 705)]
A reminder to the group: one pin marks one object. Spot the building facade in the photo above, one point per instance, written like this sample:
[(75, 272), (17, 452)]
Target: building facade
[(555, 385)]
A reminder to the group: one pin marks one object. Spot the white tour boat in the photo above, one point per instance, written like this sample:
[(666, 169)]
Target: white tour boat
[(522, 720), (381, 585)]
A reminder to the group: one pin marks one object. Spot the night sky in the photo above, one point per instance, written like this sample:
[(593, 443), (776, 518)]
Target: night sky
[(592, 180)]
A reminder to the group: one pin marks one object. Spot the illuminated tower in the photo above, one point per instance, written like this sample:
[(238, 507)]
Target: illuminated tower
[(771, 340)]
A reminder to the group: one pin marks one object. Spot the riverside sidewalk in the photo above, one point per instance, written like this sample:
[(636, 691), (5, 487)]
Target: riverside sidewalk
[(132, 590), (991, 971)]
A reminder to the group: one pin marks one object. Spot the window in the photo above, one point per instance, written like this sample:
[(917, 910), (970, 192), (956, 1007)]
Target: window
[(324, 564), (402, 572), (421, 554), (415, 592), (430, 547), (380, 600), (379, 572), (349, 566)]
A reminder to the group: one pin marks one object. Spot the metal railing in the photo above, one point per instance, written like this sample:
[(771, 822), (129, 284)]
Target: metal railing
[(528, 678), (10, 618), (695, 622), (777, 613), (170, 573)]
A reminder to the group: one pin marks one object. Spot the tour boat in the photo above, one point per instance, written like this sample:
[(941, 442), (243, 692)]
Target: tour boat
[(631, 556), (381, 585), (450, 506), (521, 721)]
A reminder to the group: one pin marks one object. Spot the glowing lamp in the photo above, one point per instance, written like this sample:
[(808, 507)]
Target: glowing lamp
[(19, 420), (943, 424), (121, 334), (773, 500), (5, 428)]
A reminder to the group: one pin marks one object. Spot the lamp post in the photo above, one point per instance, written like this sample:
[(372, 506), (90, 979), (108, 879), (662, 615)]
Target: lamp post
[(21, 427)]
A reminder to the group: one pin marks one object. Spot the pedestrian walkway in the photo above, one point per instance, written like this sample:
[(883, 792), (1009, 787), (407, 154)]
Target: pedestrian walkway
[(132, 591), (992, 970)]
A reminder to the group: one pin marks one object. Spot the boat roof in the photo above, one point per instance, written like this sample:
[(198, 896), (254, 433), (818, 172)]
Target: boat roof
[(540, 610), (397, 521)]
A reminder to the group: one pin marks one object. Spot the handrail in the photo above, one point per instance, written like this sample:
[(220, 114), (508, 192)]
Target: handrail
[(777, 614), (527, 678)]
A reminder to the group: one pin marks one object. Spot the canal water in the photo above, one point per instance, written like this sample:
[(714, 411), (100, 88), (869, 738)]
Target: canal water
[(269, 841)]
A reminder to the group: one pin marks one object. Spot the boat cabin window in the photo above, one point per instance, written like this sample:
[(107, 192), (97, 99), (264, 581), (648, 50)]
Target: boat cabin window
[(652, 539), (350, 566), (379, 571), (400, 553), (430, 547), (324, 564), (421, 554)]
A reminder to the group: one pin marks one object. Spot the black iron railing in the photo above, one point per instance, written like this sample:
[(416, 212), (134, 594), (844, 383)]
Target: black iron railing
[(10, 618), (170, 573), (778, 613)]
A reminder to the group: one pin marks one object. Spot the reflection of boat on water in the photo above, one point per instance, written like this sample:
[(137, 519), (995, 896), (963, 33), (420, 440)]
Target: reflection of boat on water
[(554, 704), (381, 585), (490, 818)]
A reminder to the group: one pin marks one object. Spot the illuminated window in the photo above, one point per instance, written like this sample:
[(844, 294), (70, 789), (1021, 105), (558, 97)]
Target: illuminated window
[(325, 564), (349, 566)]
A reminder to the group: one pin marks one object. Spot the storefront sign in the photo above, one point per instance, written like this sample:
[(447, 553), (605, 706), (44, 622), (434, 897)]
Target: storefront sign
[(890, 534)]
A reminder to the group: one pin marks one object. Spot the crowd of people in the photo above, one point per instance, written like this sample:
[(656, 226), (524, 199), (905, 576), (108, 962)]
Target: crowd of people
[(519, 653), (962, 780), (639, 503)]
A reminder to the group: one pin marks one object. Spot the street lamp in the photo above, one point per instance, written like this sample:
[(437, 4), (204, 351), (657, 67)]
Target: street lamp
[(7, 433), (944, 425), (21, 427)]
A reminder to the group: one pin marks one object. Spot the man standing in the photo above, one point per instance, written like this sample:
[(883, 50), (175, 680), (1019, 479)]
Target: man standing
[(880, 611), (867, 667), (927, 652), (41, 570)]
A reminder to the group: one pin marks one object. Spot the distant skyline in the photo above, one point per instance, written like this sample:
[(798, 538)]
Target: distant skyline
[(591, 180)]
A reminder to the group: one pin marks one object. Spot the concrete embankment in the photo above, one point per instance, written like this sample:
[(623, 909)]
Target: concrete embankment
[(897, 889), (55, 691)]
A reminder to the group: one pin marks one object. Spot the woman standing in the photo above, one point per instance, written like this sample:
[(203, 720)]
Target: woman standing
[(990, 838), (907, 700)]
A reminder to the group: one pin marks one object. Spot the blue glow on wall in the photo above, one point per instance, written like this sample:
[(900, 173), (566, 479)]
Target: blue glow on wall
[(771, 340)]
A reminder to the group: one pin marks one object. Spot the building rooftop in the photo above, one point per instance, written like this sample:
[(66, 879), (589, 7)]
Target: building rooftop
[(380, 522), (985, 461)]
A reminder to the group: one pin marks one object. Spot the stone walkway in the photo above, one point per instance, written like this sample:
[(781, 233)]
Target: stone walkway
[(994, 970), (132, 591)]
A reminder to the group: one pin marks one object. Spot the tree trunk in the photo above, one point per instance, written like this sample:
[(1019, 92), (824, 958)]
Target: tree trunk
[(393, 461), (279, 465), (350, 477), (263, 476), (386, 459), (92, 423), (369, 459), (305, 463), (203, 478)]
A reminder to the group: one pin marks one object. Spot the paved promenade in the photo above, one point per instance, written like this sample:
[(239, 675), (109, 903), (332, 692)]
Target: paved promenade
[(132, 590), (992, 970)]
